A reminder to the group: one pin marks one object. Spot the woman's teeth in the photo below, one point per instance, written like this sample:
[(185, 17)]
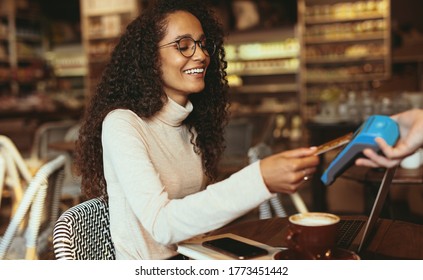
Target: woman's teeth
[(194, 71)]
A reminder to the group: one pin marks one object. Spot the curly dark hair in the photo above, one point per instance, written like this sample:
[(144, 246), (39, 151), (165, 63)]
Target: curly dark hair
[(133, 80)]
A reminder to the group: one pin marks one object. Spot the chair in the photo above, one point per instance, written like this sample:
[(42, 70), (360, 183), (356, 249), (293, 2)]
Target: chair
[(57, 131), (258, 152), (47, 133), (15, 174), (2, 175), (83, 232), (72, 186), (38, 210)]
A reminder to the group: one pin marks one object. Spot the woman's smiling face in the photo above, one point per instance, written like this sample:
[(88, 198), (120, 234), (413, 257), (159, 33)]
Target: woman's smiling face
[(181, 75)]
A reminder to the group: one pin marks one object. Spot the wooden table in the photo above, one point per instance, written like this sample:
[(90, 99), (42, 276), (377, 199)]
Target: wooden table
[(394, 240)]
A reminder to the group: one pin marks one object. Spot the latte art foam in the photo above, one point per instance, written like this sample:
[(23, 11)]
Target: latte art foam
[(313, 219)]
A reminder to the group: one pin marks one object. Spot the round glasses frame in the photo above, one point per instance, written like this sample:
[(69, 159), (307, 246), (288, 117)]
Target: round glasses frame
[(189, 51)]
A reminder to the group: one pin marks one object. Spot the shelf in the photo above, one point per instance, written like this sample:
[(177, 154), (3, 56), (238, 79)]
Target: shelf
[(282, 55), (69, 61), (346, 78), (21, 47), (346, 38), (345, 59), (264, 72), (71, 72), (269, 107), (268, 52), (258, 60), (107, 7), (276, 45), (110, 37), (345, 44), (262, 51), (343, 18), (268, 88), (105, 11), (102, 23), (263, 67), (262, 35)]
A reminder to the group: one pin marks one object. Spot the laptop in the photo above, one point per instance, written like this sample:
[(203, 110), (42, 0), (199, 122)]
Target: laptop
[(356, 232)]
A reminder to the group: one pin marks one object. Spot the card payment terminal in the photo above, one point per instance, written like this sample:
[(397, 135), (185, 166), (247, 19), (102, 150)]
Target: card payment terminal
[(363, 137)]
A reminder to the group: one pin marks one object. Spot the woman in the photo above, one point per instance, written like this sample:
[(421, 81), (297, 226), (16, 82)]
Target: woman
[(153, 135)]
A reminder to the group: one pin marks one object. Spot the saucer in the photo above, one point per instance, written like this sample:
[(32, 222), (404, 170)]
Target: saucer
[(337, 254)]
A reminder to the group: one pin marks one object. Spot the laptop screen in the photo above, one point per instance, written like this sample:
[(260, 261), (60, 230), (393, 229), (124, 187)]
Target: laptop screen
[(377, 205)]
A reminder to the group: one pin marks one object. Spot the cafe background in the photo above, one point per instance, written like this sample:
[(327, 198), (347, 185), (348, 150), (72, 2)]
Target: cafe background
[(299, 72)]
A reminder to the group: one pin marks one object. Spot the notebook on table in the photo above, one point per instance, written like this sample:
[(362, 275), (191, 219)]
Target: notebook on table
[(355, 232)]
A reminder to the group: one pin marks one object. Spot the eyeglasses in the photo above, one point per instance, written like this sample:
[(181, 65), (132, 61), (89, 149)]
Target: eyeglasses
[(187, 46)]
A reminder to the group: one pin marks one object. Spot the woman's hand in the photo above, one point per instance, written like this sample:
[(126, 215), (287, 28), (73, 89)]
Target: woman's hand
[(286, 171)]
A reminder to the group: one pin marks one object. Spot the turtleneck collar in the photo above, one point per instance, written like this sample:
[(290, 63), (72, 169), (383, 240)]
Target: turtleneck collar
[(174, 114)]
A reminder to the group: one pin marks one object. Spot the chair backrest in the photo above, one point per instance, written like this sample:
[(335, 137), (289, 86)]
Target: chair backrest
[(2, 175), (72, 133), (47, 133), (58, 131), (39, 207), (260, 151), (83, 232), (15, 169)]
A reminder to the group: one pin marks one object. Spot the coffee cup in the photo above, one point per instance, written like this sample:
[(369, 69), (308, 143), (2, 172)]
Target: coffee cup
[(313, 234), (412, 161)]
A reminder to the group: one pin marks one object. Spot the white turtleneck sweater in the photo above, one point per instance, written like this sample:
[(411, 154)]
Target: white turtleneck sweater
[(157, 188)]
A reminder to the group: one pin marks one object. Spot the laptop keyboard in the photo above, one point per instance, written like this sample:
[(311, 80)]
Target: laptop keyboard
[(348, 230)]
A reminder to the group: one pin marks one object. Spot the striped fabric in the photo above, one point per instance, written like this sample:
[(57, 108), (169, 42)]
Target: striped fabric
[(83, 232)]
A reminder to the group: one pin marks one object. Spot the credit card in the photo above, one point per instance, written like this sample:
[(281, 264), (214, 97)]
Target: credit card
[(333, 144)]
